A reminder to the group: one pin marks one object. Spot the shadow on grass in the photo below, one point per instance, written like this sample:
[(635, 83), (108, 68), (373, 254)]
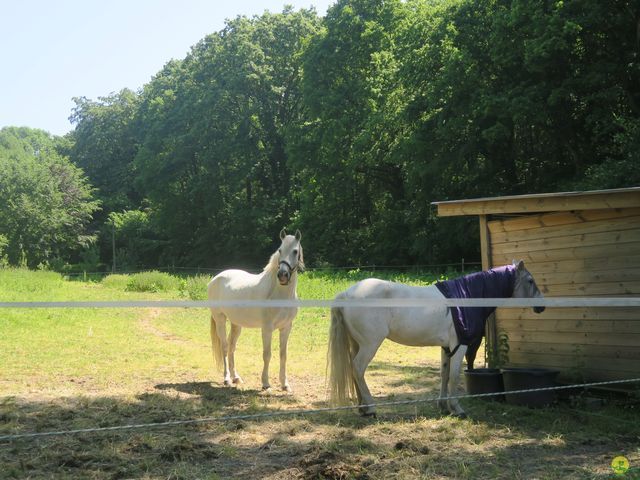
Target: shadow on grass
[(207, 392), (421, 376), (498, 441), (203, 389)]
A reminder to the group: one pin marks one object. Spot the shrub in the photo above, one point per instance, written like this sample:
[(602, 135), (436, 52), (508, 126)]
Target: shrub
[(195, 288), (153, 281), (116, 281), (137, 241)]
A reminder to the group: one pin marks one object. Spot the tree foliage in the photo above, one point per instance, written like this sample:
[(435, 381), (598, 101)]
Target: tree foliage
[(46, 202), (212, 161), (354, 188), (104, 144), (349, 126)]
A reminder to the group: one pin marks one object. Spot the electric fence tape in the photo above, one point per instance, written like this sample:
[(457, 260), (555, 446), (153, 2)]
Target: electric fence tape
[(560, 302)]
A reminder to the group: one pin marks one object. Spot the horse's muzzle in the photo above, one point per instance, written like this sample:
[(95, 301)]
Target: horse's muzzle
[(539, 309), (284, 276)]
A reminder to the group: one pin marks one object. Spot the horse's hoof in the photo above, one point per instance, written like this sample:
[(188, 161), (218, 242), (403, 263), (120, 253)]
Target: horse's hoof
[(366, 413), (227, 383), (287, 389), (237, 380), (266, 388), (461, 416)]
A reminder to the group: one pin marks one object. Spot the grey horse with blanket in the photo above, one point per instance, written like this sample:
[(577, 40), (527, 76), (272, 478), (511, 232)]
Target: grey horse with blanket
[(357, 332)]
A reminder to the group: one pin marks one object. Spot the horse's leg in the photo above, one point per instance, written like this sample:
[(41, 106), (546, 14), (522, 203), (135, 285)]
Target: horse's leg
[(444, 380), (360, 363), (355, 348), (284, 338), (454, 378), (233, 340), (219, 322), (266, 356)]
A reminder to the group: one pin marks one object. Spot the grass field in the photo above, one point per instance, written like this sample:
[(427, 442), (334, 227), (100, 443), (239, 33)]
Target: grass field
[(69, 369)]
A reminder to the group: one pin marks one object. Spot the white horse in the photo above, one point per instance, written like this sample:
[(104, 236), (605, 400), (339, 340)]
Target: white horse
[(278, 280), (357, 332)]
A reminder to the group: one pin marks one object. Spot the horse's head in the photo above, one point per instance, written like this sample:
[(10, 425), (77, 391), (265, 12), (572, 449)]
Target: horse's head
[(291, 258), (525, 285)]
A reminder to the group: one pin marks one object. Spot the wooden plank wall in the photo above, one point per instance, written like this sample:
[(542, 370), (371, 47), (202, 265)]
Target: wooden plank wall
[(582, 253)]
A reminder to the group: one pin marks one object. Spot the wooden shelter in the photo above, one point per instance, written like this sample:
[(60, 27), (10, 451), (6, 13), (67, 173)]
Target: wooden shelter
[(575, 244)]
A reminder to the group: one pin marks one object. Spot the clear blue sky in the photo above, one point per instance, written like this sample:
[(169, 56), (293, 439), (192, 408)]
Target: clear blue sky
[(52, 51)]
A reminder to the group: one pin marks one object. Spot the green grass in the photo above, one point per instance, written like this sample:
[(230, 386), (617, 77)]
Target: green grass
[(77, 368), (70, 350), (79, 348)]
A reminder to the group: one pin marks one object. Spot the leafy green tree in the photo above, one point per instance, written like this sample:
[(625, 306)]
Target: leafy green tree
[(515, 97), (136, 239), (350, 126), (45, 201), (213, 161), (354, 188), (104, 145)]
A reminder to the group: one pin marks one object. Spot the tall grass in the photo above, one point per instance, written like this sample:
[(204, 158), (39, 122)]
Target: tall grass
[(116, 281), (313, 284), (153, 281), (18, 283), (195, 287), (326, 284)]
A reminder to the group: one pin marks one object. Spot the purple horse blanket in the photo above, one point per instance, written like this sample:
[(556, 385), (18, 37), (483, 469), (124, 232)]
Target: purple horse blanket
[(469, 322)]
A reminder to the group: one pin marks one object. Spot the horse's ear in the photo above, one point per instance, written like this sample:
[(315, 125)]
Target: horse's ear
[(520, 265), (301, 265), (298, 235), (283, 233)]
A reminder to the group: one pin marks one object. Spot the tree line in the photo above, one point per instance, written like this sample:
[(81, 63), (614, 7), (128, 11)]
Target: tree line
[(345, 126)]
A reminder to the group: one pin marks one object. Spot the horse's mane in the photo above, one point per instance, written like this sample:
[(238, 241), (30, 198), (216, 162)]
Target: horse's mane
[(272, 266)]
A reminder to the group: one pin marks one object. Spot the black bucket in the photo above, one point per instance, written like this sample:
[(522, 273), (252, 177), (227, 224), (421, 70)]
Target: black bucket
[(526, 379), (484, 380)]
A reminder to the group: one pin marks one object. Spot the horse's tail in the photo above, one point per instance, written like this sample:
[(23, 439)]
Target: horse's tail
[(342, 386), (216, 345)]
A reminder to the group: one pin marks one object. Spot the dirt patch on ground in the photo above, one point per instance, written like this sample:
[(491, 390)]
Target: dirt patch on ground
[(331, 465), (145, 323)]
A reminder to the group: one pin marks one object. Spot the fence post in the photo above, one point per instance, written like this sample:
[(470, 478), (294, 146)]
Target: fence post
[(113, 245)]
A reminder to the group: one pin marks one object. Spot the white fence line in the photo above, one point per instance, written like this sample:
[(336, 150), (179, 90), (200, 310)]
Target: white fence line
[(559, 302), (282, 413)]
